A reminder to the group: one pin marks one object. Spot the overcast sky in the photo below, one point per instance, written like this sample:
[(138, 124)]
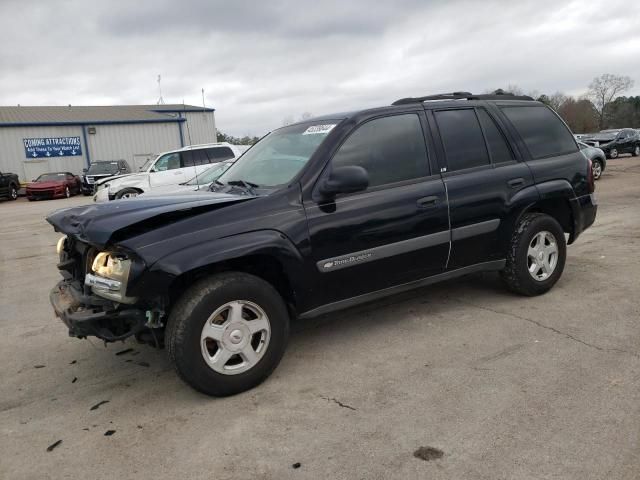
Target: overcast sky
[(263, 61)]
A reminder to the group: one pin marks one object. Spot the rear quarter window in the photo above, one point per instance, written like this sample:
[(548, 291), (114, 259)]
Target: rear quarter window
[(542, 132)]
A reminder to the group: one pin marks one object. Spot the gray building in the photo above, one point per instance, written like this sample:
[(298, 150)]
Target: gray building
[(34, 140)]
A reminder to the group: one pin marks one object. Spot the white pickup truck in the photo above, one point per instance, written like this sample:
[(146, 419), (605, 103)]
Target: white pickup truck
[(168, 168)]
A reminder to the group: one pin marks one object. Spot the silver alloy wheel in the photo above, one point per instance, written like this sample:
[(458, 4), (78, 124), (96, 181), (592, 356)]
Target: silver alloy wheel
[(596, 168), (14, 193), (67, 192), (130, 195), (235, 337), (636, 151), (613, 153), (542, 256)]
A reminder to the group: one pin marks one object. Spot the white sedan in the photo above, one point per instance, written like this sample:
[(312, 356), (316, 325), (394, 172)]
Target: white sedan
[(197, 183)]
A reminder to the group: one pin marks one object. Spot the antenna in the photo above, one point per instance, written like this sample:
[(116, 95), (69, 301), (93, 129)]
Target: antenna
[(160, 99), (204, 109)]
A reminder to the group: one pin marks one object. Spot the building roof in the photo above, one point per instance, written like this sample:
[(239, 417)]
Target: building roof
[(93, 115)]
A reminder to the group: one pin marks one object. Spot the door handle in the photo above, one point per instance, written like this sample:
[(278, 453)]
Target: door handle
[(516, 182), (427, 202)]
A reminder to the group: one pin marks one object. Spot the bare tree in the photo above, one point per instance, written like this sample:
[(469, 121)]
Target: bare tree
[(305, 116), (604, 89), (288, 120)]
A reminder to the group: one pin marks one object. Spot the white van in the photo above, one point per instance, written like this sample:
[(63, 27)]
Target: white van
[(168, 168)]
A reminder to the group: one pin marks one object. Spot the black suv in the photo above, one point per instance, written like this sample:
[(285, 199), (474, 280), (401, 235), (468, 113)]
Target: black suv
[(9, 185), (323, 215), (99, 170), (614, 142)]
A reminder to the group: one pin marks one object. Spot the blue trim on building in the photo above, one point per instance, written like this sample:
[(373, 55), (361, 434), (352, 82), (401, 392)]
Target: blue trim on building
[(86, 145), (100, 122)]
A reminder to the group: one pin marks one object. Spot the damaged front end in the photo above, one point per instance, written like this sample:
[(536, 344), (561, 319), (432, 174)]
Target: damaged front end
[(91, 298)]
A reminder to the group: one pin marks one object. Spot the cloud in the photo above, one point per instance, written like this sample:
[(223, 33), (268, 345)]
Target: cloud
[(260, 62)]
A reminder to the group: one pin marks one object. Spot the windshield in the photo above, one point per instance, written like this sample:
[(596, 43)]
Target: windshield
[(279, 156), (210, 174), (51, 177), (103, 167)]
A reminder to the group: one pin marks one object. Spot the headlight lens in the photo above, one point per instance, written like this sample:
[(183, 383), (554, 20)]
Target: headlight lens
[(60, 244), (111, 265), (115, 268)]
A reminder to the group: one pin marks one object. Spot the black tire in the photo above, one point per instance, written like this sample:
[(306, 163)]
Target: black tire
[(127, 191), (597, 168), (192, 310), (613, 153), (516, 274), (636, 151), (13, 192), (67, 192)]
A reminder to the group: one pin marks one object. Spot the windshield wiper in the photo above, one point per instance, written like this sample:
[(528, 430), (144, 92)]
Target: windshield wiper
[(248, 186)]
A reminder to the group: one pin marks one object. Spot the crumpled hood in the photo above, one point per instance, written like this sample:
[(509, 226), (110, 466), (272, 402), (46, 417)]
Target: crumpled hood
[(139, 175), (98, 223), (603, 138)]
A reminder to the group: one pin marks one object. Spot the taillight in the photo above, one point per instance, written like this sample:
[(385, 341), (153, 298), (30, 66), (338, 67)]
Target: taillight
[(590, 180)]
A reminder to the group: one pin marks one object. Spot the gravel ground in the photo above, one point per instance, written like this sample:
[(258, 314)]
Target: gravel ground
[(458, 380)]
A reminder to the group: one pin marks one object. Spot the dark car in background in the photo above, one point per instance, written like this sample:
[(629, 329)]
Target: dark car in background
[(615, 141), (9, 185), (99, 170), (53, 185)]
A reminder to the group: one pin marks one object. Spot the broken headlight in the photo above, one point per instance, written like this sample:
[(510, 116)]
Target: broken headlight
[(111, 276)]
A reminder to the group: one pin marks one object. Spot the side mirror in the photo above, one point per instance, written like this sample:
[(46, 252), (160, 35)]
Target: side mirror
[(345, 180), (85, 170)]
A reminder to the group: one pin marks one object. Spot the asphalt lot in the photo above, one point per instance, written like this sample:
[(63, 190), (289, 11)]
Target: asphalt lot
[(506, 387)]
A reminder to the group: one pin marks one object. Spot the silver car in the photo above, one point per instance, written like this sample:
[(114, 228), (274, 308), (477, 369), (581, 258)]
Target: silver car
[(597, 157)]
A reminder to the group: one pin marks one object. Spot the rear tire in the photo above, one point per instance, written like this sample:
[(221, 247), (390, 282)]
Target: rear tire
[(243, 348), (532, 266), (613, 153), (596, 168), (127, 193), (636, 151)]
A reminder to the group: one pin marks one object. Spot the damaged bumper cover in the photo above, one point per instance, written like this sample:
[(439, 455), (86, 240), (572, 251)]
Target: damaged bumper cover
[(89, 315)]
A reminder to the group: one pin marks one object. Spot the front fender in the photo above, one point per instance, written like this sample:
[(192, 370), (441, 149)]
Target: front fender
[(271, 243), (140, 182)]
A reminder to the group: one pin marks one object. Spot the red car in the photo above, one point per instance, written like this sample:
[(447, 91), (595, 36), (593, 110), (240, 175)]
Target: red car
[(53, 185)]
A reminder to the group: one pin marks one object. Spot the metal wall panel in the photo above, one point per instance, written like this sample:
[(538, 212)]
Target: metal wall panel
[(14, 160), (199, 128)]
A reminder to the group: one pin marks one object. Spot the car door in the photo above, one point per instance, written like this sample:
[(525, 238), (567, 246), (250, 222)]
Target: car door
[(395, 231), (4, 184), (481, 175), (168, 170)]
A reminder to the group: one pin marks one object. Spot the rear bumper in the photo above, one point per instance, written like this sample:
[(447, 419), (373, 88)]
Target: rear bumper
[(87, 316), (584, 211)]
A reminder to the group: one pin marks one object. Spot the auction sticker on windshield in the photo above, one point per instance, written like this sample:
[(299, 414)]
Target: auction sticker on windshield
[(315, 129)]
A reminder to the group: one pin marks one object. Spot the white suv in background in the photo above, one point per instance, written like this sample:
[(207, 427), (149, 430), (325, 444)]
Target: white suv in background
[(169, 168)]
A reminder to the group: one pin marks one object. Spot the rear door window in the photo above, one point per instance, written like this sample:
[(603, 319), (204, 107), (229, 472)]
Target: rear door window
[(541, 130), (462, 139), (499, 149), (219, 154)]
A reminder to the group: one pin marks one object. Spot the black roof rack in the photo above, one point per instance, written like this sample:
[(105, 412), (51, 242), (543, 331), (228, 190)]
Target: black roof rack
[(497, 95)]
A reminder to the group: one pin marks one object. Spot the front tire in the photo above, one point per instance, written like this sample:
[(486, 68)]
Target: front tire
[(536, 255), (227, 333), (13, 192), (596, 168), (127, 193), (613, 153)]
